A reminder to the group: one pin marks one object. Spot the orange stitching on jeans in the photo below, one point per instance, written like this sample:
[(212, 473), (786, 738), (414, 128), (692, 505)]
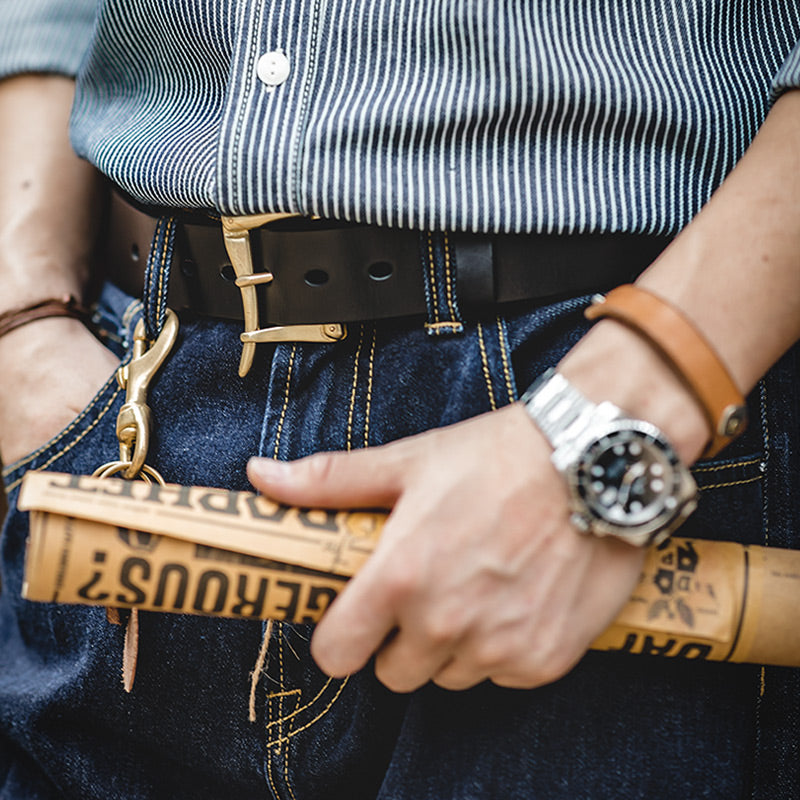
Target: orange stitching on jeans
[(130, 312), (448, 279), (75, 441), (501, 335), (731, 483), (285, 401), (269, 775), (300, 709), (287, 693), (432, 272), (350, 413), (718, 467), (369, 384), (286, 779), (317, 718), (486, 375), (59, 436), (435, 325)]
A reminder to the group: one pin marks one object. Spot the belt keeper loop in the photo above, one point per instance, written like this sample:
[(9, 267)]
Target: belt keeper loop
[(474, 260), (156, 276)]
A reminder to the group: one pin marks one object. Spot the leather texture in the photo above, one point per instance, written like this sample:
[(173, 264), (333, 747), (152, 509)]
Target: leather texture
[(52, 307), (686, 350), (329, 271)]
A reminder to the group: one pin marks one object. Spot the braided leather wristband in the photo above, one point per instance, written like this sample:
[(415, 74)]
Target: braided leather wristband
[(686, 350), (66, 306)]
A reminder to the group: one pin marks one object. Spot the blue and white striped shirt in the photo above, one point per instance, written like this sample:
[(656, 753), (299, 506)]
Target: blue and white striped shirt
[(520, 115)]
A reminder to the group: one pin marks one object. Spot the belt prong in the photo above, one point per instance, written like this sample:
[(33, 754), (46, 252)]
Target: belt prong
[(257, 279), (327, 332)]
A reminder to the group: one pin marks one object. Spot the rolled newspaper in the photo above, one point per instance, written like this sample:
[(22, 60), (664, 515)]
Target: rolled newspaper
[(199, 550)]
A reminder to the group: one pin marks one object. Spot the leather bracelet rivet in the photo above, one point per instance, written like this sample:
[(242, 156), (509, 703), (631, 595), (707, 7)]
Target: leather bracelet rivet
[(733, 420)]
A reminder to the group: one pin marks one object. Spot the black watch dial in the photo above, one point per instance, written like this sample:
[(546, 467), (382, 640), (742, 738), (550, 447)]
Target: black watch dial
[(629, 477)]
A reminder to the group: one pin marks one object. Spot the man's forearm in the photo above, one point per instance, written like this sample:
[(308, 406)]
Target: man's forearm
[(734, 272), (48, 196)]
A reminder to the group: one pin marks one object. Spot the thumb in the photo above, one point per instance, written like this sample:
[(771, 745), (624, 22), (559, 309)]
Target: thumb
[(359, 479)]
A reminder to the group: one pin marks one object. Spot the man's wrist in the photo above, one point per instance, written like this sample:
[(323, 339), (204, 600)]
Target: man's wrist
[(613, 363)]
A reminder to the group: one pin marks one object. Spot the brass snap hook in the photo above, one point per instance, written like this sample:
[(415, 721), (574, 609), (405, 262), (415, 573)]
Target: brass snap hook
[(133, 421)]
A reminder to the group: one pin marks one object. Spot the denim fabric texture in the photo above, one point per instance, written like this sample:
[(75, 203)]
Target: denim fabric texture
[(616, 727)]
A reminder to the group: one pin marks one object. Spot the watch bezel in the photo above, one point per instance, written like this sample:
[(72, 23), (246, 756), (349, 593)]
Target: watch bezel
[(655, 528)]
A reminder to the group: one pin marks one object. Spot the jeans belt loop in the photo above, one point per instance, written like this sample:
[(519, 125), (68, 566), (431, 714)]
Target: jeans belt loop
[(236, 232)]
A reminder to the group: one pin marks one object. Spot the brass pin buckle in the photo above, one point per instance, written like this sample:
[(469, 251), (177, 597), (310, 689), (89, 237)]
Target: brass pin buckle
[(236, 231)]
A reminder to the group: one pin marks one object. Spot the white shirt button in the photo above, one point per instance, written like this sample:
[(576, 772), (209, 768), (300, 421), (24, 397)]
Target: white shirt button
[(273, 68)]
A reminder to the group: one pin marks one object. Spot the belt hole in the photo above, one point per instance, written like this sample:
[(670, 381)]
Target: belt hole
[(380, 270), (134, 252), (227, 272), (316, 277)]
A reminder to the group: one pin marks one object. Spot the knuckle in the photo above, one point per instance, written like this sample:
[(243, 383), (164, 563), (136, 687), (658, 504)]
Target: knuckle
[(402, 583), (555, 667), (457, 682), (533, 669), (438, 629), (395, 682), (490, 655), (394, 676)]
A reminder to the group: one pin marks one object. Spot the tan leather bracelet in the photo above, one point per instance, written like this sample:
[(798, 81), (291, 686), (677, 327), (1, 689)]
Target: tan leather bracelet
[(686, 350), (66, 306)]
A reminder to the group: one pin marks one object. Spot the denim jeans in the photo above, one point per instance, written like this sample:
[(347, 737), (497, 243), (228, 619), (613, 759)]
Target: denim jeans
[(617, 726)]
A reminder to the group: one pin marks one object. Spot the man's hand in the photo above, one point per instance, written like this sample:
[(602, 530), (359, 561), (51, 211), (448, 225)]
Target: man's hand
[(51, 369), (479, 573)]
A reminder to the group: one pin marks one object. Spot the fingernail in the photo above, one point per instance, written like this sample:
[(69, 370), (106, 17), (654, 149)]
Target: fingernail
[(269, 469)]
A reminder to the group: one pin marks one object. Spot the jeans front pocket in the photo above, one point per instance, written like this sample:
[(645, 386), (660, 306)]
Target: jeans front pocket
[(113, 316)]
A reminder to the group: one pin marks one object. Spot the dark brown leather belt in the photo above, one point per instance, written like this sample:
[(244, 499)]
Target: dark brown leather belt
[(327, 271)]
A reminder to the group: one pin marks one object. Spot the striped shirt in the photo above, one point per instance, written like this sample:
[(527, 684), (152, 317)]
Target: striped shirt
[(488, 115)]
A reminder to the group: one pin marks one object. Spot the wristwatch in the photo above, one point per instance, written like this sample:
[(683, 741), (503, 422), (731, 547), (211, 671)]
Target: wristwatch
[(624, 478)]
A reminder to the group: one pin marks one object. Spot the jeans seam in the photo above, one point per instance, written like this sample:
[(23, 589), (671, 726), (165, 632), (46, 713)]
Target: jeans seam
[(485, 365), (717, 467), (316, 719), (432, 277), (284, 695), (353, 389), (731, 483), (452, 303), (504, 354), (299, 709), (272, 699), (270, 776), (370, 375), (285, 405)]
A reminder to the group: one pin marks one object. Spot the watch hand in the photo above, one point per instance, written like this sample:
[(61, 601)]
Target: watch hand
[(631, 474)]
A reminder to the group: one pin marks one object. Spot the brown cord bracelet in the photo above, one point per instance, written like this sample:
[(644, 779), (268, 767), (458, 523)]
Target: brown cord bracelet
[(686, 350), (66, 306)]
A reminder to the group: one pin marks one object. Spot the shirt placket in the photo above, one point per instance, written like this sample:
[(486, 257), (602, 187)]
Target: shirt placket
[(265, 114)]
